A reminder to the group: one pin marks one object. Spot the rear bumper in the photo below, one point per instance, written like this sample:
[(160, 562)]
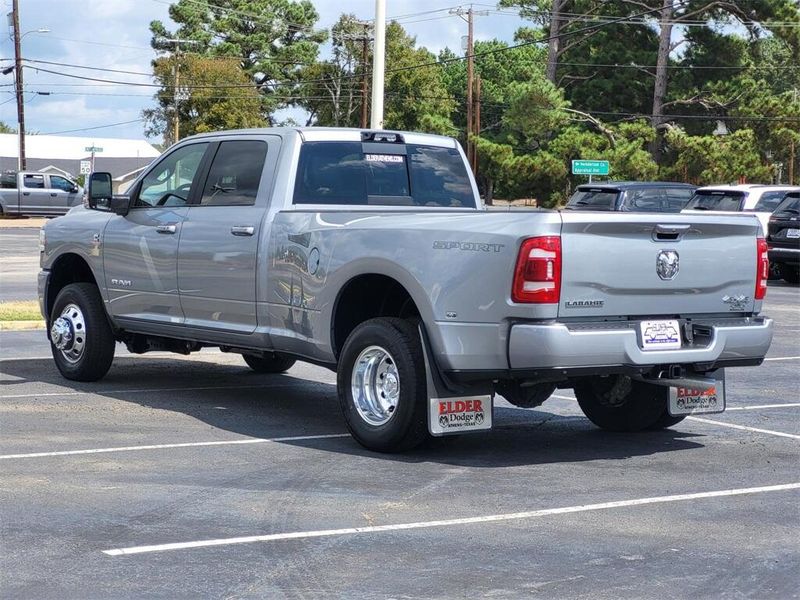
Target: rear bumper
[(558, 346), (785, 255)]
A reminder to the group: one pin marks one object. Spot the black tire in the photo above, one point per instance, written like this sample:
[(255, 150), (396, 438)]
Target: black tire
[(407, 427), (790, 273), (269, 364), (618, 403), (525, 397), (97, 355)]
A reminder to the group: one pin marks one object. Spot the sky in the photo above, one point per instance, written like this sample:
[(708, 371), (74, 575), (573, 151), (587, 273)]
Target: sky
[(114, 34)]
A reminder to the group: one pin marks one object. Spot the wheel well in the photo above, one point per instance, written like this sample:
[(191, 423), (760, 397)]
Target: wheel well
[(69, 268), (366, 297)]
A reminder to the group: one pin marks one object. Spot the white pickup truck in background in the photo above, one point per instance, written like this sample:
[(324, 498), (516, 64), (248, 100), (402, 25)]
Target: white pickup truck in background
[(32, 193)]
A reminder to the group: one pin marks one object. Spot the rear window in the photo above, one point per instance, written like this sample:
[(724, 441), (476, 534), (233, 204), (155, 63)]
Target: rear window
[(353, 173), (769, 201), (593, 199), (711, 200), (677, 198), (790, 204)]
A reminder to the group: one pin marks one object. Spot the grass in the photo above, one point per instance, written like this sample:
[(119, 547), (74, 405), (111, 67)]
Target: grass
[(27, 310)]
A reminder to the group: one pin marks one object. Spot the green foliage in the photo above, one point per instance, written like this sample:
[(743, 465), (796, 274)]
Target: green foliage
[(706, 159), (5, 128), (206, 108)]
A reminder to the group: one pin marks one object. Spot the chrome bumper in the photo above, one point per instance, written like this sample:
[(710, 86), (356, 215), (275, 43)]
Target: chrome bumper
[(562, 346)]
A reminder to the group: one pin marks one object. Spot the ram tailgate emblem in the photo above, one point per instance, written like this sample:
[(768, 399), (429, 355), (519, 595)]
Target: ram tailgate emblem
[(667, 264)]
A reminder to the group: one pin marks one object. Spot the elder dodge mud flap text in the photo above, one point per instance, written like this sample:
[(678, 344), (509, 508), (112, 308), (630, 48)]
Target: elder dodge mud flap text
[(459, 415)]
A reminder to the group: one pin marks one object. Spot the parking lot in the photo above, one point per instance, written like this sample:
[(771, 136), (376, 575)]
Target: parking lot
[(194, 477)]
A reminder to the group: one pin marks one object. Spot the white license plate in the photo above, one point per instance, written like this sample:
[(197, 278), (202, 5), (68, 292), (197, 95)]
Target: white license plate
[(459, 415), (688, 401), (660, 335), (793, 233)]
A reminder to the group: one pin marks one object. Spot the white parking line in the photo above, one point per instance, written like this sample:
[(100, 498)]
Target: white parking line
[(760, 406), (744, 428), (173, 389), (294, 535), (295, 438), (783, 358)]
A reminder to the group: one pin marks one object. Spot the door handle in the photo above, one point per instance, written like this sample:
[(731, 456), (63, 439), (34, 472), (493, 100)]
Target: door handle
[(53, 194), (243, 230), (166, 228), (26, 193)]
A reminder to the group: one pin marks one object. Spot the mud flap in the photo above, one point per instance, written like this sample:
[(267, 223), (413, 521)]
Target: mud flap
[(452, 411)]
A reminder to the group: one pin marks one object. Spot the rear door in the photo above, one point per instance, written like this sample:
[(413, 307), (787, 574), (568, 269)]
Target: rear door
[(625, 264), (219, 243), (34, 197)]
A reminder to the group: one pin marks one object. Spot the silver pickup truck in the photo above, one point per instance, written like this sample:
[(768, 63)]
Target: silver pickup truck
[(369, 252), (30, 193)]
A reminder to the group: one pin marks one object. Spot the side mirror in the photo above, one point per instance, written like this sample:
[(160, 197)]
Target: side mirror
[(99, 191), (74, 189)]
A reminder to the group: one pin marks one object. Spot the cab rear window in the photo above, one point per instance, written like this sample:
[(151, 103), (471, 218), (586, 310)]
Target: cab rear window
[(593, 199), (711, 200), (352, 173)]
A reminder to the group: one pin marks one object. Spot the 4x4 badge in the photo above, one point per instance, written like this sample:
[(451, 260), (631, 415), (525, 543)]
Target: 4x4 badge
[(667, 264)]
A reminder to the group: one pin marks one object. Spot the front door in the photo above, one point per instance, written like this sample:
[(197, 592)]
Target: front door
[(218, 253), (61, 194), (141, 248)]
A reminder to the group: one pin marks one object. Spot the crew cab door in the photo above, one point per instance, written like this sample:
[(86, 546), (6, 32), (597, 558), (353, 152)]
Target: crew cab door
[(141, 248), (218, 253), (62, 198), (34, 197)]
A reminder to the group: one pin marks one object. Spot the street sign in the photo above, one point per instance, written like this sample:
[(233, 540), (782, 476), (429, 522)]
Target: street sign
[(590, 167), (86, 167), (92, 149)]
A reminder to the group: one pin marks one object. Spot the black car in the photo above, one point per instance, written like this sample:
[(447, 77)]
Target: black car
[(783, 238), (632, 196)]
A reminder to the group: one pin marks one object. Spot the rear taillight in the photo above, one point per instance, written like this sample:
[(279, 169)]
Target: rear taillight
[(762, 268), (537, 276)]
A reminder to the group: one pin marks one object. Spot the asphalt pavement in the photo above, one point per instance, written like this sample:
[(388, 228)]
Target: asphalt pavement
[(189, 477)]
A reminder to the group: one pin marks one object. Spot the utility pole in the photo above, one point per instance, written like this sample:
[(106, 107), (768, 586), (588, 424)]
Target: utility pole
[(364, 83), (378, 65), (21, 162), (477, 130), (178, 93), (468, 15)]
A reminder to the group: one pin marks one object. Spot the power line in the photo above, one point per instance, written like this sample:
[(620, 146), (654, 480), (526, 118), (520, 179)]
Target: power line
[(93, 128)]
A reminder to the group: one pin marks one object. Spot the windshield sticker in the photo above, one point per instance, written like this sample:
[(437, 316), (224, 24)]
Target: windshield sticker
[(391, 158)]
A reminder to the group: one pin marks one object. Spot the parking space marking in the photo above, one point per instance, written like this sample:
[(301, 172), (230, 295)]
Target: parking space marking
[(155, 390), (294, 438), (295, 535), (744, 428), (783, 358), (760, 406)]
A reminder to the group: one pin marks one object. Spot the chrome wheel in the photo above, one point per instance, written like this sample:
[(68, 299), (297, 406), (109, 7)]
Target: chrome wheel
[(375, 385), (68, 333)]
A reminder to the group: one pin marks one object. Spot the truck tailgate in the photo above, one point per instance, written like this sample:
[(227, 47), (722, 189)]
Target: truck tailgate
[(635, 264)]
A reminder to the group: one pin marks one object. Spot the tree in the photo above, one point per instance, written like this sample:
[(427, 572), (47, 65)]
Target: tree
[(220, 96), (271, 40), (5, 128)]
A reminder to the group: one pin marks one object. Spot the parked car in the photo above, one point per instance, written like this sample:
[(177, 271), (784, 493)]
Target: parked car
[(759, 200), (30, 193), (783, 238), (369, 252), (632, 196)]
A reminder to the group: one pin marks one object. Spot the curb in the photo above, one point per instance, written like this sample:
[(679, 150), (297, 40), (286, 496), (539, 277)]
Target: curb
[(21, 325)]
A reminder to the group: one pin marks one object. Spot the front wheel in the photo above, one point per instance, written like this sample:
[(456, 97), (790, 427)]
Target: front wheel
[(382, 385), (618, 403), (80, 336)]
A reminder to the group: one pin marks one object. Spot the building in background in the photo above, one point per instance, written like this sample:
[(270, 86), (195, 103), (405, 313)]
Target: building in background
[(124, 159)]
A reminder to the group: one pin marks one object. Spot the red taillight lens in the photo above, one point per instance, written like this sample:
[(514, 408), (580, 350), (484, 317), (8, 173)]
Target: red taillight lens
[(537, 277), (762, 268)]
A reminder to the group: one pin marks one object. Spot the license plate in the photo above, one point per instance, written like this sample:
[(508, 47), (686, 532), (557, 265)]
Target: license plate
[(459, 415), (793, 233), (688, 401), (660, 335)]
